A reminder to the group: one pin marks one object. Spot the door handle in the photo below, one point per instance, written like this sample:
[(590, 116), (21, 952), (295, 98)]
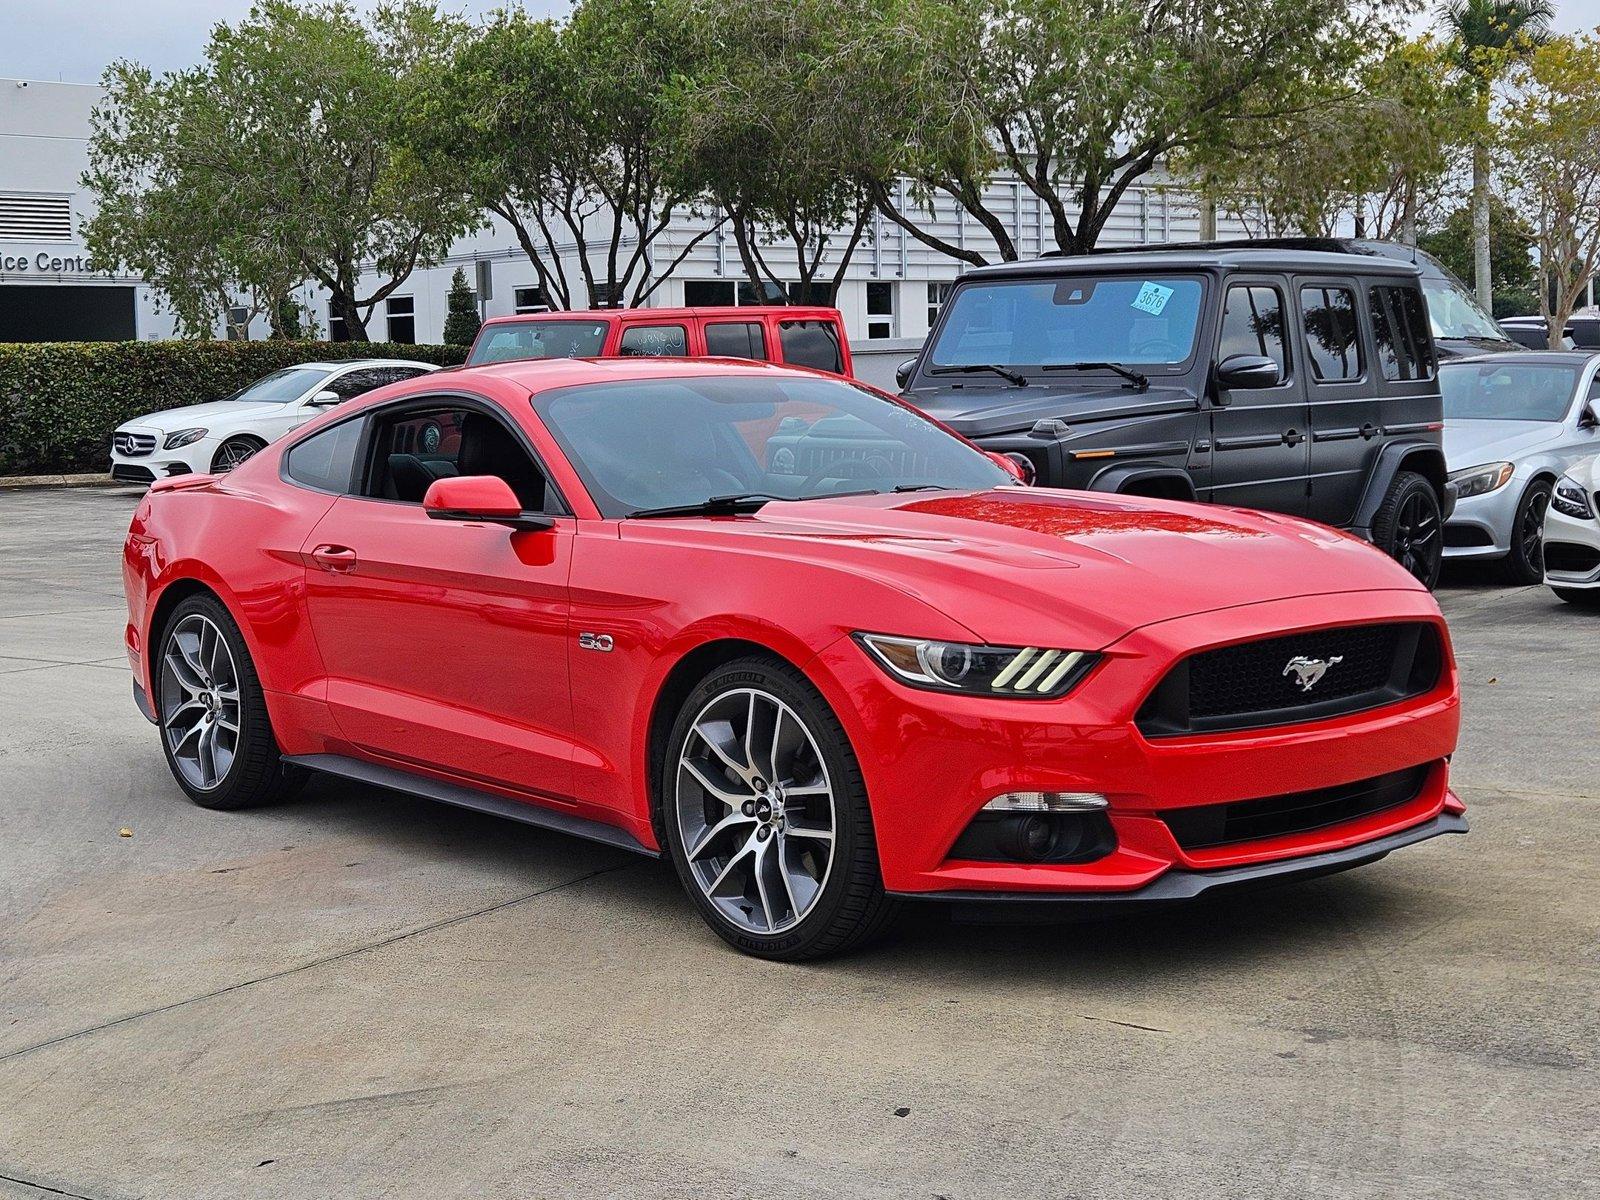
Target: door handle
[(1293, 437), (339, 559), (1369, 431)]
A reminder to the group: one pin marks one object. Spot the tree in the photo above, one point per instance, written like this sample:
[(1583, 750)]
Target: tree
[(1082, 101), (1550, 162), (1485, 37), (461, 323), (282, 146), (1511, 241), (561, 131)]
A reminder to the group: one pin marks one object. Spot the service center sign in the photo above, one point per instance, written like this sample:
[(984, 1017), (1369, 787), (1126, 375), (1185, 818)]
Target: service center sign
[(46, 262)]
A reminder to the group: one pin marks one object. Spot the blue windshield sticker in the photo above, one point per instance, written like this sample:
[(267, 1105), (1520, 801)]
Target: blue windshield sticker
[(1152, 298)]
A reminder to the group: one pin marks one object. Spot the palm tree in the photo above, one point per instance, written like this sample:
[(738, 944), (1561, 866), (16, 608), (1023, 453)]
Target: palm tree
[(1482, 33)]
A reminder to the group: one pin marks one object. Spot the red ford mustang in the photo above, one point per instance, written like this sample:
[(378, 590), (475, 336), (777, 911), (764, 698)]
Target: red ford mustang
[(823, 653)]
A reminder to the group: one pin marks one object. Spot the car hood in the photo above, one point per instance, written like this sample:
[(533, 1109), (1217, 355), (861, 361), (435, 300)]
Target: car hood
[(976, 408), (1015, 564), (232, 412), (1472, 443)]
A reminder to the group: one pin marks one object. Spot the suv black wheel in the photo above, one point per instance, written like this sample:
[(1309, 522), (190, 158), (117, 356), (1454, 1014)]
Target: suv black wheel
[(767, 819), (1409, 527), (1525, 563), (214, 726)]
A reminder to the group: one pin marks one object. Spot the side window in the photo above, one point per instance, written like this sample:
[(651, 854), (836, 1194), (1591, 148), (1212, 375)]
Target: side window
[(325, 460), (1252, 323), (412, 448), (1333, 340), (654, 341), (743, 339), (1400, 331), (811, 344), (352, 383)]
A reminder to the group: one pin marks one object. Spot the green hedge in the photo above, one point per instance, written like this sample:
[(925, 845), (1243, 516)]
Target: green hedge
[(60, 401)]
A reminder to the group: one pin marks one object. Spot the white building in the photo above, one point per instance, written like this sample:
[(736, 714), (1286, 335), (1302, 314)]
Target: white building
[(48, 289), (890, 295)]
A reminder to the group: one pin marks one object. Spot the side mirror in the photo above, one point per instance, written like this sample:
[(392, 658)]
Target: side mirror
[(326, 398), (1248, 371), (479, 498), (902, 373), (1588, 418), (1014, 463)]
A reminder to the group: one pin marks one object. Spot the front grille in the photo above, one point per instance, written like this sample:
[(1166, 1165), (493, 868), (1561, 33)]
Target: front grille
[(1298, 812), (1570, 558), (857, 461), (1298, 677), (133, 445)]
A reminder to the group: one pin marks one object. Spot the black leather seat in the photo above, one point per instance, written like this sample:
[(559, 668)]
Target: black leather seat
[(487, 448)]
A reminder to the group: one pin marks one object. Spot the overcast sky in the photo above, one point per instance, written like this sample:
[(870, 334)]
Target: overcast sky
[(73, 40)]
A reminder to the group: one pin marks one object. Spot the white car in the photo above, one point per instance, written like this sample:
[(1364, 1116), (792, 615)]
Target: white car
[(1572, 535), (207, 439)]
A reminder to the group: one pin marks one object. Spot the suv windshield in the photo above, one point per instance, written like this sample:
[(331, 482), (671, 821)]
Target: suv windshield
[(1126, 319), (649, 444), (1500, 391), (516, 340), (281, 386), (1455, 314)]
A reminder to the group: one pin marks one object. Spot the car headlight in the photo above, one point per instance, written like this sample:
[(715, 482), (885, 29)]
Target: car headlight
[(1478, 481), (184, 437), (1570, 499), (1031, 672)]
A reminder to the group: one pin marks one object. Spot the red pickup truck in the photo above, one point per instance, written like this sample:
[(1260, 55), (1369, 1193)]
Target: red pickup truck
[(806, 337)]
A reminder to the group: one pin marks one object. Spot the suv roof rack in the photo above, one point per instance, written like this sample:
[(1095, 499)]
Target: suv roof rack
[(1324, 245)]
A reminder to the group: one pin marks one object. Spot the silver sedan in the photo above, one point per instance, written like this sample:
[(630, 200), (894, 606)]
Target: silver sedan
[(1513, 423)]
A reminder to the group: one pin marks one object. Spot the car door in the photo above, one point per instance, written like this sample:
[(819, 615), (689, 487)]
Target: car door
[(1346, 405), (445, 642), (1259, 445)]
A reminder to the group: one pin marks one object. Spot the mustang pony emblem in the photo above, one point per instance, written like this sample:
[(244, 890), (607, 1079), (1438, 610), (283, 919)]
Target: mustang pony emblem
[(1308, 671)]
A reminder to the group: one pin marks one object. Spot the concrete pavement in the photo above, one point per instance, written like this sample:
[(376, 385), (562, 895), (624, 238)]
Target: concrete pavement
[(363, 995)]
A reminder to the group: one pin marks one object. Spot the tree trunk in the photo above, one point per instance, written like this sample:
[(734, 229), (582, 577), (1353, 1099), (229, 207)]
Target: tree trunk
[(344, 306), (1482, 281)]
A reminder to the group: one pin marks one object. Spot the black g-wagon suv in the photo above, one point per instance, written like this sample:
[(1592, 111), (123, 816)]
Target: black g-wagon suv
[(1287, 379)]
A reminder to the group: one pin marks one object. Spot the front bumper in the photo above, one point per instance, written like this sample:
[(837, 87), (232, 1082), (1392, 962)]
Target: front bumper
[(1481, 526), (146, 468), (931, 761), (1572, 550)]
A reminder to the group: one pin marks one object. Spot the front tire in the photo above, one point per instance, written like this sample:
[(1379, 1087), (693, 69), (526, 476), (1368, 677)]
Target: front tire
[(233, 452), (1525, 564), (1409, 527), (215, 730), (766, 816)]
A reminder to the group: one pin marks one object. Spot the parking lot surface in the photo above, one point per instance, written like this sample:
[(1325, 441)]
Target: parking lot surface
[(360, 994)]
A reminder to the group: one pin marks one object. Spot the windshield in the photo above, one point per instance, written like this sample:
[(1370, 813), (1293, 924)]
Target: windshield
[(282, 386), (1455, 314), (1127, 319), (653, 444), (518, 340), (1506, 391)]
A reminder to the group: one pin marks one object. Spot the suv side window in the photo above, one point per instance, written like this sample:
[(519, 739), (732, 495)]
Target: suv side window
[(1333, 336), (325, 460), (413, 447), (654, 341), (743, 339), (1400, 331), (1252, 323), (811, 344)]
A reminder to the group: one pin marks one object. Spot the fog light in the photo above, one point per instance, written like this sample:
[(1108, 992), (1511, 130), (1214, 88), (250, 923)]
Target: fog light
[(1043, 802)]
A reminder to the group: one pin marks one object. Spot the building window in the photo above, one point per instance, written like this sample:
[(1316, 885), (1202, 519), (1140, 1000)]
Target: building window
[(530, 300), (401, 312), (880, 309), (238, 324), (710, 293), (336, 330), (938, 294)]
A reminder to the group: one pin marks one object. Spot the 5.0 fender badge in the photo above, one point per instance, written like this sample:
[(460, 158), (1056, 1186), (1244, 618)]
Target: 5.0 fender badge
[(595, 641)]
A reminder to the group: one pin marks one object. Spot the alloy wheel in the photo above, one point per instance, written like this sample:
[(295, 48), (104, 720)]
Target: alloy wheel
[(200, 709), (1417, 544), (231, 454), (755, 809), (1531, 533)]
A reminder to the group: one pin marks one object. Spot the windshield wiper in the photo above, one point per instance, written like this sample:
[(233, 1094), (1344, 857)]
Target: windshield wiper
[(1136, 379), (1005, 373), (741, 502), (920, 487)]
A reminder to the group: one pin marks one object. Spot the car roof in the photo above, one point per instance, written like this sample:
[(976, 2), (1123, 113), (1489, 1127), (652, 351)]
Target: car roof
[(798, 312), (1203, 255), (345, 363), (544, 374)]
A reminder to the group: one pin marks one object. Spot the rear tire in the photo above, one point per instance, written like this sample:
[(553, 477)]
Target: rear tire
[(1409, 527), (1524, 565), (1579, 597), (783, 868), (212, 713)]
